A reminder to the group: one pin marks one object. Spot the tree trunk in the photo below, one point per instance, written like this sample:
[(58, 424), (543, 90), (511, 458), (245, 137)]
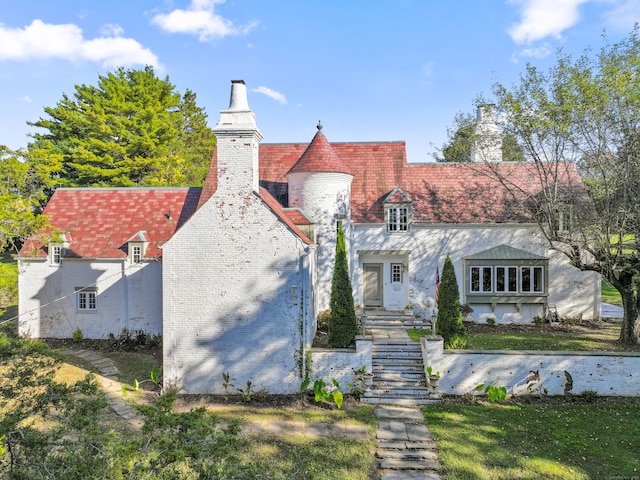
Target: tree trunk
[(630, 330)]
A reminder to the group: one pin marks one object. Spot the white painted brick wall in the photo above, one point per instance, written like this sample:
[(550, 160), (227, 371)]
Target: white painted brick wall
[(128, 297), (233, 302), (462, 370)]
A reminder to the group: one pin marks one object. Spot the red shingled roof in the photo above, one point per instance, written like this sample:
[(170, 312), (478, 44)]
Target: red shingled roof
[(320, 157), (283, 215), (101, 220), (440, 192)]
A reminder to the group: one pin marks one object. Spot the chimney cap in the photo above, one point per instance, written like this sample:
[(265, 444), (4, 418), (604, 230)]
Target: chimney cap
[(237, 81)]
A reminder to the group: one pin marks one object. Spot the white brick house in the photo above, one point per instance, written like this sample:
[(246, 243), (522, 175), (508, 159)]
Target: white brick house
[(233, 274)]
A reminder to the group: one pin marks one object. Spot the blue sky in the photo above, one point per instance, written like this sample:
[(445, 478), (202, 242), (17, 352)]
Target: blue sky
[(374, 70)]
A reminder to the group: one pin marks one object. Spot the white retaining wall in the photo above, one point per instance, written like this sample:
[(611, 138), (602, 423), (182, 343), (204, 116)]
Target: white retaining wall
[(339, 363), (615, 374)]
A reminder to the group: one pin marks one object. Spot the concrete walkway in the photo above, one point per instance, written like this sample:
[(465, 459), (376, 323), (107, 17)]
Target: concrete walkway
[(610, 311), (404, 445)]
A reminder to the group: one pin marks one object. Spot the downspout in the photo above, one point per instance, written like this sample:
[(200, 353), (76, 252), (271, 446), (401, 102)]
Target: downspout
[(126, 295)]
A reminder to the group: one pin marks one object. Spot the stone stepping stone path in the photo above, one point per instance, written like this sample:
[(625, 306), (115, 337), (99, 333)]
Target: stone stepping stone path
[(108, 381), (404, 446)]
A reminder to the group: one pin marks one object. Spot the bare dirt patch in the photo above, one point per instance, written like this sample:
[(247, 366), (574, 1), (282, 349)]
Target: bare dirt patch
[(582, 328)]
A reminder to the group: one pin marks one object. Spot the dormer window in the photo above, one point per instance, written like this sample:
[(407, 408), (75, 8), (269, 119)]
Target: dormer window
[(137, 247), (56, 253), (57, 249), (136, 253), (398, 219), (397, 211)]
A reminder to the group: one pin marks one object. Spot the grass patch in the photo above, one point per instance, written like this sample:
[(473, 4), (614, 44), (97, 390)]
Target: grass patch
[(609, 294), (417, 333), (297, 457), (8, 283), (603, 337), (541, 441), (359, 415)]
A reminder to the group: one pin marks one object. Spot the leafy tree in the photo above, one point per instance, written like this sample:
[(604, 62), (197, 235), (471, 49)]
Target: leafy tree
[(25, 179), (133, 128), (461, 137), (343, 327), (585, 112), (449, 322)]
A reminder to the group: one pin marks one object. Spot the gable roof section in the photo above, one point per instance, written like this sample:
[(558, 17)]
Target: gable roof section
[(283, 215), (440, 192), (504, 252), (102, 220), (397, 195)]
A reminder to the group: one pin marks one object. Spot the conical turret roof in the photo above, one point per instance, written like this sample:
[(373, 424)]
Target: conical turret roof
[(320, 157)]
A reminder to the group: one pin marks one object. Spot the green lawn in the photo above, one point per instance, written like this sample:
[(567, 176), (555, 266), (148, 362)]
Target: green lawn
[(610, 294), (597, 440), (603, 337)]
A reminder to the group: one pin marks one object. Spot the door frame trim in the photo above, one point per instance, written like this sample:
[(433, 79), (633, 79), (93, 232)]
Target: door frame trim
[(380, 283)]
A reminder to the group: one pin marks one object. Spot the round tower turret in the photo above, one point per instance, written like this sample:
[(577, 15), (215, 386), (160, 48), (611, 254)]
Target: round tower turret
[(320, 184)]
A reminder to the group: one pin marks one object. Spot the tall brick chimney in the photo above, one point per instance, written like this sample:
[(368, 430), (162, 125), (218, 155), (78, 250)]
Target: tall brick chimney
[(237, 148)]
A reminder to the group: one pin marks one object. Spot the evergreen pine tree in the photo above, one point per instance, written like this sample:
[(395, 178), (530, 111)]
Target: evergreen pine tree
[(450, 324), (343, 327)]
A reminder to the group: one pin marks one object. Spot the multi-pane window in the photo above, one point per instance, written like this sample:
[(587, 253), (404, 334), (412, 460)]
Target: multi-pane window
[(506, 279), (531, 279), (396, 273), (86, 300), (481, 279), (56, 254), (398, 219), (136, 254)]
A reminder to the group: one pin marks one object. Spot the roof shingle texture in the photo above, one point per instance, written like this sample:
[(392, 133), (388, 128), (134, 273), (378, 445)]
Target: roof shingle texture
[(440, 192), (101, 220)]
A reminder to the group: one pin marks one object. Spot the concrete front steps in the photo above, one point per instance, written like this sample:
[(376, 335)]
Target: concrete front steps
[(382, 319), (398, 370)]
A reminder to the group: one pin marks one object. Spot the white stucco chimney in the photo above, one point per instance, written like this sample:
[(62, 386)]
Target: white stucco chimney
[(487, 146), (237, 148)]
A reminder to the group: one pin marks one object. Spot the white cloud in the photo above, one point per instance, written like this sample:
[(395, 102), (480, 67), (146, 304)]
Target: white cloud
[(66, 41), (544, 18), (277, 96), (427, 70), (200, 19), (111, 30), (623, 15), (26, 99), (533, 52)]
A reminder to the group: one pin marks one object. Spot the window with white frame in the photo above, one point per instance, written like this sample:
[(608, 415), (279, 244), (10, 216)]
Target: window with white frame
[(86, 299), (397, 219), (481, 279), (531, 279), (136, 254), (506, 279), (55, 252), (396, 272)]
